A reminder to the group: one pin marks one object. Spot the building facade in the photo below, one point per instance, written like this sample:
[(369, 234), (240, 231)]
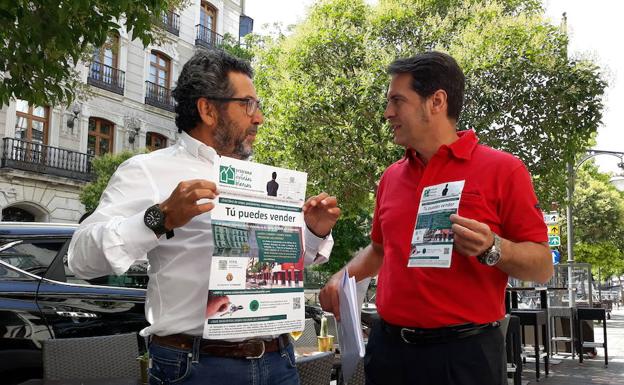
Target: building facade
[(47, 150)]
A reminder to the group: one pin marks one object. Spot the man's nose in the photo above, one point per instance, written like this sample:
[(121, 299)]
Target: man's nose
[(258, 117), (388, 112)]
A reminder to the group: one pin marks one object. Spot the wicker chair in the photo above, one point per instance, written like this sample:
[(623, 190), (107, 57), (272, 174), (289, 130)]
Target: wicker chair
[(358, 377), (315, 369), (308, 338), (91, 358)]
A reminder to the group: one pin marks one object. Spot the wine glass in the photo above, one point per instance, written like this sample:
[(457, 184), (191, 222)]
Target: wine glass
[(296, 334)]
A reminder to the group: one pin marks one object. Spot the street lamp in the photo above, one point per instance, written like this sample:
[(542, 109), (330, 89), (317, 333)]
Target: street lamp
[(133, 125), (618, 181), (70, 120), (569, 210)]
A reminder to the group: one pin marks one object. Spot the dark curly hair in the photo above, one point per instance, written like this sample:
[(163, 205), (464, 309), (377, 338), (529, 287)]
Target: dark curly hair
[(204, 75), (432, 71)]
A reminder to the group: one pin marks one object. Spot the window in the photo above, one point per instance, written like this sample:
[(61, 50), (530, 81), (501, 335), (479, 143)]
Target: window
[(108, 54), (160, 68), (208, 16), (106, 62), (135, 277), (16, 214), (207, 23), (33, 256), (32, 122), (100, 139), (6, 273), (155, 141)]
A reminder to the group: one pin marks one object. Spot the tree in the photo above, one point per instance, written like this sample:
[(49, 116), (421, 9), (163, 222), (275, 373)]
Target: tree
[(324, 88), (598, 207), (104, 167), (43, 41), (598, 222)]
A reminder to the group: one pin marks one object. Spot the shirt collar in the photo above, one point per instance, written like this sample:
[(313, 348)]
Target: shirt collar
[(197, 148), (462, 148)]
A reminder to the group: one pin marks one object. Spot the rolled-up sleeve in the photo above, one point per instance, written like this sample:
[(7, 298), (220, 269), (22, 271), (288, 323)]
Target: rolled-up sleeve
[(114, 237)]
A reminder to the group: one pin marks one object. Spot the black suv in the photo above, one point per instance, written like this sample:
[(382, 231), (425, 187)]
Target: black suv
[(40, 298)]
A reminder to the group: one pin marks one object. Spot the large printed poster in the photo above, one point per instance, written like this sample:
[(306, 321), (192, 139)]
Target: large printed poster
[(256, 277)]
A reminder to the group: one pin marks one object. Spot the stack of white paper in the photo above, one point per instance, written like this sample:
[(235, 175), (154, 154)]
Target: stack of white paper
[(350, 329)]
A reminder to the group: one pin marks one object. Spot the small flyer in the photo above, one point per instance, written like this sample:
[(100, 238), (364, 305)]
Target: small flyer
[(256, 276), (432, 240)]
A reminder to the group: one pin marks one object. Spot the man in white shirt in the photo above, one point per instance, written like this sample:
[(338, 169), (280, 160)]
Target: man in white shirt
[(150, 210)]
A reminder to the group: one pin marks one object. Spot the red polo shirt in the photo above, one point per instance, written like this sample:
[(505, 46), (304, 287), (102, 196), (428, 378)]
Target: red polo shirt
[(497, 191)]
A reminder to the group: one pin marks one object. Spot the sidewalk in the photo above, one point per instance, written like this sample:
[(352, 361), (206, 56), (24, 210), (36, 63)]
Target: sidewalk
[(591, 371)]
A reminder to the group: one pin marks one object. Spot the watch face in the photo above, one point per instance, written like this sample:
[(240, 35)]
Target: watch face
[(492, 258), (153, 218)]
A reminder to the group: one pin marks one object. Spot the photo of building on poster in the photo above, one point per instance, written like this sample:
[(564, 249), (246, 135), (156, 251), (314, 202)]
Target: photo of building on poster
[(256, 280), (260, 256)]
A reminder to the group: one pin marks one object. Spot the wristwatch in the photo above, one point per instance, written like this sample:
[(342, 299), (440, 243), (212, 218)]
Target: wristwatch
[(154, 219), (491, 256)]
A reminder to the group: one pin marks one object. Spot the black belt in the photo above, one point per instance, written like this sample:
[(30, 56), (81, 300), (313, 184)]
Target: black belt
[(420, 336)]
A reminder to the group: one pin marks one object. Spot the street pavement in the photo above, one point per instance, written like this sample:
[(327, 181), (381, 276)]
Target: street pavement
[(592, 371)]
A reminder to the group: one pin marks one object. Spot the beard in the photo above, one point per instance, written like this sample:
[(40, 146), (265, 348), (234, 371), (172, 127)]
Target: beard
[(226, 139)]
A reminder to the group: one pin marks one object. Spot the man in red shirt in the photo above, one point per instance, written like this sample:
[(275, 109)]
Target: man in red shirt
[(439, 318)]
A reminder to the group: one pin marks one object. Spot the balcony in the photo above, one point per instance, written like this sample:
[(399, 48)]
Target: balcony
[(171, 22), (28, 156), (206, 37), (106, 77), (159, 96)]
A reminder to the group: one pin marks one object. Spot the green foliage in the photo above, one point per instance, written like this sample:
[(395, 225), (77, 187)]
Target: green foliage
[(231, 45), (604, 255), (324, 89), (43, 41), (350, 234), (104, 167), (598, 208), (598, 222)]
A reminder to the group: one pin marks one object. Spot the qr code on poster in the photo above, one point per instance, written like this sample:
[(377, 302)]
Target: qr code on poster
[(222, 264), (296, 303), (446, 250)]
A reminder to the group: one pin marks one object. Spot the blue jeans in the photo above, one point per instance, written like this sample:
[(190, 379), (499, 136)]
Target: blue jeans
[(177, 366)]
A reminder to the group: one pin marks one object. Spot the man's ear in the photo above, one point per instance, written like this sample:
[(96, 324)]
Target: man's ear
[(207, 112), (439, 102)]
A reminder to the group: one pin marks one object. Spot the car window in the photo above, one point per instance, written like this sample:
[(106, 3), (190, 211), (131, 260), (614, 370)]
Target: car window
[(8, 273), (135, 277), (33, 256)]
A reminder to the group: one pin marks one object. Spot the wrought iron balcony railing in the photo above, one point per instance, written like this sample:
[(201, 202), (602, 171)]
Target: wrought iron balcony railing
[(158, 96), (171, 22), (206, 37), (35, 157), (106, 77)]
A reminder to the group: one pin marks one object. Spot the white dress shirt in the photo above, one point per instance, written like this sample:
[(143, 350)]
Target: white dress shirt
[(115, 236)]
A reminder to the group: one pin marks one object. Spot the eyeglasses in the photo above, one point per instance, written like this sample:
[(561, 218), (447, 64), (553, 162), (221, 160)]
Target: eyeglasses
[(253, 105)]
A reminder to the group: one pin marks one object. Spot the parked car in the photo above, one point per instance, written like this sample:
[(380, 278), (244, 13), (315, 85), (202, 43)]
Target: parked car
[(40, 298)]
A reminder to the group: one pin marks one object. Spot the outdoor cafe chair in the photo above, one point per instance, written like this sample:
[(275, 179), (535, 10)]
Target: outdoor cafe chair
[(358, 377), (308, 338), (315, 369), (105, 357)]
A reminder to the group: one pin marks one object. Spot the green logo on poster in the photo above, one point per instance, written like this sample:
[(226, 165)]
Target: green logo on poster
[(254, 305), (226, 174)]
